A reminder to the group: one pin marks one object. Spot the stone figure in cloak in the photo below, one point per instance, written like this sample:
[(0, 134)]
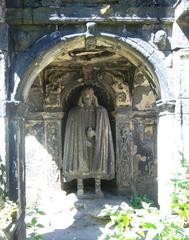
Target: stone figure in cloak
[(88, 145)]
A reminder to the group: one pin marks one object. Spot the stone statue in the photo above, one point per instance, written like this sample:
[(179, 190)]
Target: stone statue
[(88, 145), (159, 40)]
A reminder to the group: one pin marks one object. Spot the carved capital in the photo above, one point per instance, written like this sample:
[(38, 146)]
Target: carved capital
[(165, 107)]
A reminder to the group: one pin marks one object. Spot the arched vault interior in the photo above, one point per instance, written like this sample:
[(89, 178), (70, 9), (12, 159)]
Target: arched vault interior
[(116, 81), (128, 93)]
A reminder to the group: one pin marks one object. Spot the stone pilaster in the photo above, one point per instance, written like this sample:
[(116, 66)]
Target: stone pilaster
[(165, 153), (16, 161), (181, 63), (53, 144), (16, 114), (124, 143)]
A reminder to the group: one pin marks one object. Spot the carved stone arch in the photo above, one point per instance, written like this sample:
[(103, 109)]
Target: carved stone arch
[(45, 50)]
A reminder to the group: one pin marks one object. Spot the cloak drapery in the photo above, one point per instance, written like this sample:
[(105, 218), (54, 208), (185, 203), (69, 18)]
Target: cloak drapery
[(76, 163)]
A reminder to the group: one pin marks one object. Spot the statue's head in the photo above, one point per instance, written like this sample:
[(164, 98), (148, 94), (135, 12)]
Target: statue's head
[(88, 98), (160, 39)]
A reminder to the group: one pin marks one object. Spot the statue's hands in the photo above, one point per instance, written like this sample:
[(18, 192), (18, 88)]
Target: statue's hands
[(89, 144), (90, 133)]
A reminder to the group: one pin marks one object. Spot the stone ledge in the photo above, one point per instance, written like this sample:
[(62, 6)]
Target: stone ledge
[(62, 15)]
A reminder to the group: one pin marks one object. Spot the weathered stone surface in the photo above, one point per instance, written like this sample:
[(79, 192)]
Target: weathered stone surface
[(2, 11), (72, 14), (4, 36), (181, 61), (182, 12)]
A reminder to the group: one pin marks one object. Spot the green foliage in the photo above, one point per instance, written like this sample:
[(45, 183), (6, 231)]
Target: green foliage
[(180, 199), (8, 214), (141, 221), (33, 224), (127, 223), (136, 201)]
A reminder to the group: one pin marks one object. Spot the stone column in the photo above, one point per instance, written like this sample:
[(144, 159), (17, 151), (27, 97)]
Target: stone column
[(53, 143), (165, 153), (124, 144), (16, 162)]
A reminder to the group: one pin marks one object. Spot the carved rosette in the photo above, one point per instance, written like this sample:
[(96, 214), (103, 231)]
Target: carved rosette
[(122, 95)]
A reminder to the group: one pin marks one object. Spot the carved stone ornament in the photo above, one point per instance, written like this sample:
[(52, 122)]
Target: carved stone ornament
[(125, 159), (142, 74), (122, 95), (159, 40), (90, 41), (53, 89)]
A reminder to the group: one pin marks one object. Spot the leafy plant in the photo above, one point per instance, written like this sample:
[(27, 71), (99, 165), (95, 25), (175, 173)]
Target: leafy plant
[(8, 213), (180, 197), (33, 224), (136, 201), (145, 222)]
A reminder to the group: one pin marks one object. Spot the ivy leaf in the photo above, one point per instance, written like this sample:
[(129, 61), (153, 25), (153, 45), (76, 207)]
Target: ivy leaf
[(40, 225), (34, 221)]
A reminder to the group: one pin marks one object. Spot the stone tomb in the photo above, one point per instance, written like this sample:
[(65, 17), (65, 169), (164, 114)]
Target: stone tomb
[(129, 98)]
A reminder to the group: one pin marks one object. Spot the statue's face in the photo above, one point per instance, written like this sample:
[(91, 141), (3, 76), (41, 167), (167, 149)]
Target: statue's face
[(87, 99)]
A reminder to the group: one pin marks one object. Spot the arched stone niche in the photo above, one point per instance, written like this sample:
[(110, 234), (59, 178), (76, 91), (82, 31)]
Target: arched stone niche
[(135, 124), (48, 48)]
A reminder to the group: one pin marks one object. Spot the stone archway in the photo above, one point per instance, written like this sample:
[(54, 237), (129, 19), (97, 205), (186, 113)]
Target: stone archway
[(46, 50)]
